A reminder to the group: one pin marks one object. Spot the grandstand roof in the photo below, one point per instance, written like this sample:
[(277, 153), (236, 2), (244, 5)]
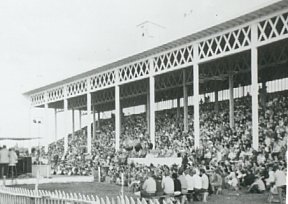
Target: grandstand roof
[(259, 12)]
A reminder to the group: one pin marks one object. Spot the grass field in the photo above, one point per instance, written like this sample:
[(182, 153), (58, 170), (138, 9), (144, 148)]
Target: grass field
[(111, 190)]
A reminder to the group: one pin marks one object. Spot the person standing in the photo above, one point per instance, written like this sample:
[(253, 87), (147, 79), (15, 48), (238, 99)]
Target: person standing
[(4, 161), (13, 159)]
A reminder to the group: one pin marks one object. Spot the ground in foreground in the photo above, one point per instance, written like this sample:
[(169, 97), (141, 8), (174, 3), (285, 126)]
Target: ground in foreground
[(112, 190)]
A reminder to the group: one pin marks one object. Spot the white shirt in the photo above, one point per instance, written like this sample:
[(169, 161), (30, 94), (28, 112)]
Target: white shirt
[(205, 181), (13, 158), (149, 185), (280, 178), (261, 185), (168, 185), (189, 180), (197, 181), (4, 156)]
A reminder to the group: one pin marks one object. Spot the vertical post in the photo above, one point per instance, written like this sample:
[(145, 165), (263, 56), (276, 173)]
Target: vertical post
[(66, 130), (94, 123), (73, 122), (231, 101), (148, 110), (152, 103), (89, 140), (80, 119), (46, 126), (99, 174), (185, 102), (254, 86), (216, 107), (117, 113), (55, 124), (99, 119), (264, 94), (178, 107), (196, 98)]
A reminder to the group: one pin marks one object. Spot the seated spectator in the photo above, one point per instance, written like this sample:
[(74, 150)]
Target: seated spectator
[(205, 184), (168, 184), (197, 185), (149, 186), (216, 182), (257, 186), (177, 184)]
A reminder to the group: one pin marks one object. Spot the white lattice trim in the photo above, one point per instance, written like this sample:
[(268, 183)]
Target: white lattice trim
[(101, 80), (273, 27), (76, 88), (172, 59), (134, 70), (38, 99), (55, 94), (226, 42)]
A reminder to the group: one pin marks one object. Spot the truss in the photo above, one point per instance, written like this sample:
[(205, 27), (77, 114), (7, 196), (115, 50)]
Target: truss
[(270, 28)]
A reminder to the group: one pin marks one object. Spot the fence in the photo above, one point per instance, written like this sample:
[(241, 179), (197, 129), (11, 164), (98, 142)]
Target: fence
[(24, 196)]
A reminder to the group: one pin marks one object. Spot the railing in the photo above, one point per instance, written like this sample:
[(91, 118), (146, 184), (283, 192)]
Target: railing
[(25, 196)]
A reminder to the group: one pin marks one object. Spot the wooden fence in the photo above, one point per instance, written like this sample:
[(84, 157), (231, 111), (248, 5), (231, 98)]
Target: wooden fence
[(24, 196)]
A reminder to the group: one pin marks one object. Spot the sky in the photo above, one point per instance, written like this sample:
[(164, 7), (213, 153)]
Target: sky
[(49, 40)]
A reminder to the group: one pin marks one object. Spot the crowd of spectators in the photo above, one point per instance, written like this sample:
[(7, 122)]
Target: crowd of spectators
[(224, 154)]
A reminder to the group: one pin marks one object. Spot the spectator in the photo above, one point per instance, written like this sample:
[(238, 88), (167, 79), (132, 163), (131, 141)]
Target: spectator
[(197, 185), (258, 186), (4, 161), (149, 186), (216, 182), (205, 184), (168, 184), (13, 160)]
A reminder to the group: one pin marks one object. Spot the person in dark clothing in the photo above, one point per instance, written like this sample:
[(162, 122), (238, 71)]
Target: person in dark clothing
[(177, 184), (159, 189)]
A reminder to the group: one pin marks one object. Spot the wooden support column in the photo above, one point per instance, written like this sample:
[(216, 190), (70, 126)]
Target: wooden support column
[(152, 103), (89, 140), (216, 107), (185, 102), (264, 95), (178, 107), (231, 101), (73, 122), (148, 111), (196, 98), (80, 119), (66, 125), (46, 126), (117, 113), (99, 120), (94, 123), (55, 125), (254, 87)]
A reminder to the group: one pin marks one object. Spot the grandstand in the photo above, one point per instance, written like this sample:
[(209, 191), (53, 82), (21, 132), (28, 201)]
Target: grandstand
[(214, 97)]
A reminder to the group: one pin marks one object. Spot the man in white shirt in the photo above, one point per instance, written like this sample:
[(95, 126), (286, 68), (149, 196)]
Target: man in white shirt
[(168, 184), (149, 186), (280, 181), (205, 184), (13, 160), (258, 186), (197, 184), (4, 161), (189, 179)]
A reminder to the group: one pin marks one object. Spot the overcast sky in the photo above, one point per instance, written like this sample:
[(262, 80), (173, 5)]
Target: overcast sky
[(46, 41)]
